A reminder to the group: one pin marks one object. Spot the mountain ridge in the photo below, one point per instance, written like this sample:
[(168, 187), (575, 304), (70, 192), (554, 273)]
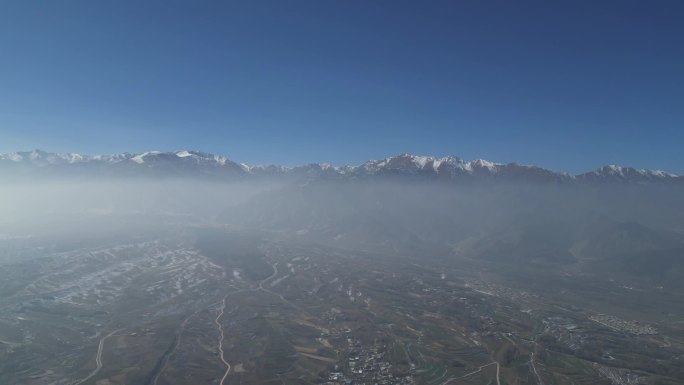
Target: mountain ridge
[(448, 167)]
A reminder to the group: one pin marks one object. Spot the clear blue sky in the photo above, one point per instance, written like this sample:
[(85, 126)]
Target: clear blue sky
[(567, 85)]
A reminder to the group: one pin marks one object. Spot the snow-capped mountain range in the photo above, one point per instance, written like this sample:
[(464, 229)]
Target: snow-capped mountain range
[(189, 163)]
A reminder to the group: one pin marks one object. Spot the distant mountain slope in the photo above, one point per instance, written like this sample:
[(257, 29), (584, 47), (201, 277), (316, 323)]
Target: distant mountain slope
[(634, 249)]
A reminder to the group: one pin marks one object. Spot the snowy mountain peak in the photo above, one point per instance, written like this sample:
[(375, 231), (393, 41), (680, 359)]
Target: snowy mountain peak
[(39, 157), (615, 172), (484, 164), (140, 158), (183, 154)]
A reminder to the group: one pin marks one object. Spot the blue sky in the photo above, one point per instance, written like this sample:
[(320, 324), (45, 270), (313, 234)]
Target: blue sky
[(566, 85)]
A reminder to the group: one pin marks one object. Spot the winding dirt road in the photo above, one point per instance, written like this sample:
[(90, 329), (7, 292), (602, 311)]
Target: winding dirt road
[(534, 369), (220, 346), (498, 382), (98, 358)]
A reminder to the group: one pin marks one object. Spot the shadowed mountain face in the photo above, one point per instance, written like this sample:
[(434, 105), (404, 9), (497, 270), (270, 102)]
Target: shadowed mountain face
[(637, 250), (628, 238), (568, 226)]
